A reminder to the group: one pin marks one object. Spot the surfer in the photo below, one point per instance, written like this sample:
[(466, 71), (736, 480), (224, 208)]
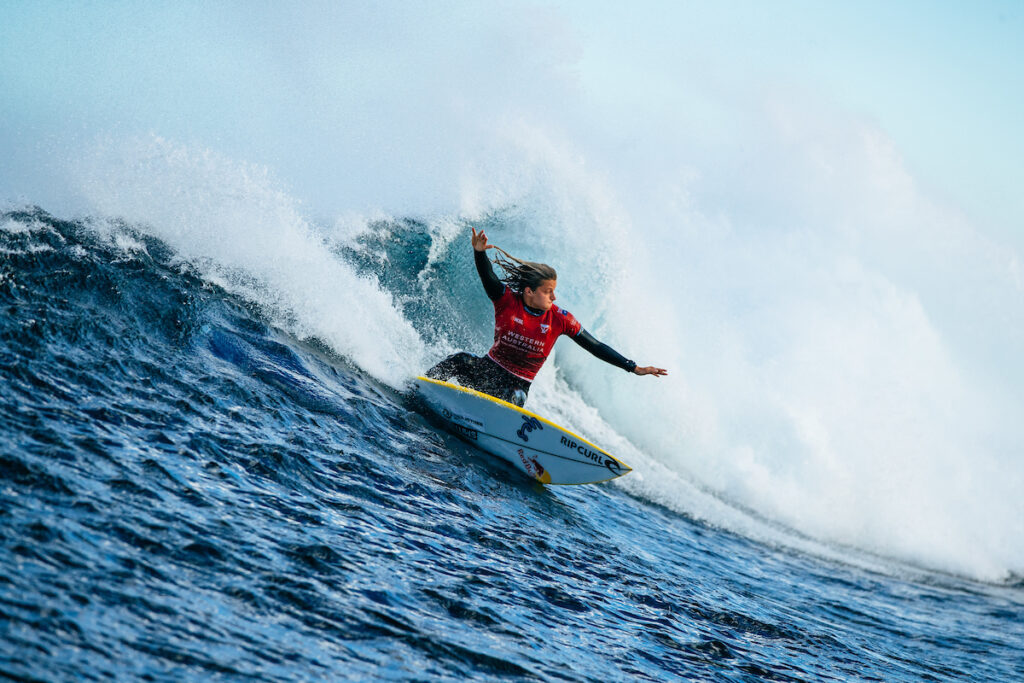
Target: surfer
[(526, 326)]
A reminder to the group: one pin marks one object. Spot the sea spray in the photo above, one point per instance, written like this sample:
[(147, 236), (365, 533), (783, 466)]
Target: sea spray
[(843, 341), (233, 221), (822, 378), (809, 385)]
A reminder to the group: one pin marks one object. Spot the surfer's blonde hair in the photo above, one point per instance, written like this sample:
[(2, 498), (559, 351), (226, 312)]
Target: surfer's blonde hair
[(521, 274)]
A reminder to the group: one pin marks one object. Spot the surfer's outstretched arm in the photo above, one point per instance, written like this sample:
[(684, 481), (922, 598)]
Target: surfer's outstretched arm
[(610, 355), (492, 285)]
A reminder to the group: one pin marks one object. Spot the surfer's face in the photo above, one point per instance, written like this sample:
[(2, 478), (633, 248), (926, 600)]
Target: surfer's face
[(542, 297)]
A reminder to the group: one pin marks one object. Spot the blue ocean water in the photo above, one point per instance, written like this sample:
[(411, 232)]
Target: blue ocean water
[(190, 492)]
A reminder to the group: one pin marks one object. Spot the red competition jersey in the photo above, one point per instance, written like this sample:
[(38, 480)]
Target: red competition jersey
[(522, 341)]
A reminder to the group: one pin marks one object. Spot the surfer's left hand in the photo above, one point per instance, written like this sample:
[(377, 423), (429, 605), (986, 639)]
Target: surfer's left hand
[(649, 370)]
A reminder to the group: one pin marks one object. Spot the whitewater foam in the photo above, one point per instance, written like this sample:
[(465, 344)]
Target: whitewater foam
[(232, 221), (810, 385), (821, 375), (843, 345)]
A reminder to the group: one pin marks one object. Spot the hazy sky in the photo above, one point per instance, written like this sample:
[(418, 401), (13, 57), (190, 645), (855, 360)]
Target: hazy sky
[(367, 84), (945, 80)]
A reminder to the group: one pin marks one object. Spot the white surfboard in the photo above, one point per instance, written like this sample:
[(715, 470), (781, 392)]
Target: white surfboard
[(534, 445)]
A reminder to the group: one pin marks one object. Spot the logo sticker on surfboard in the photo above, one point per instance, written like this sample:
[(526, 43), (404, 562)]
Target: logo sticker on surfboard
[(535, 446), (534, 468), (529, 424)]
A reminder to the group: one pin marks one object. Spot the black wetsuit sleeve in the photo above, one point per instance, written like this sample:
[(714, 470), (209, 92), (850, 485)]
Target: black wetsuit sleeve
[(603, 351), (492, 285)]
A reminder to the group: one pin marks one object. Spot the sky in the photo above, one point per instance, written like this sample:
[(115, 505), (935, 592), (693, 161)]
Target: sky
[(944, 80), (367, 83)]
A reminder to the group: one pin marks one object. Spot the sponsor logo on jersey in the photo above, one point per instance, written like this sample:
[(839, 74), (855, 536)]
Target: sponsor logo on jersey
[(544, 328), (517, 320)]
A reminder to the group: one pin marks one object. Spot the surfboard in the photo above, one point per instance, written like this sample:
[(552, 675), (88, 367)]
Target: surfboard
[(532, 444)]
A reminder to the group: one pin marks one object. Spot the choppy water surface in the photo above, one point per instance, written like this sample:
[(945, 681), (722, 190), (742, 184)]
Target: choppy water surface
[(187, 492)]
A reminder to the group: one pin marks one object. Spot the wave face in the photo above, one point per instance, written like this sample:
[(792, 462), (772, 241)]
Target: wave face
[(188, 490), (844, 341), (826, 390)]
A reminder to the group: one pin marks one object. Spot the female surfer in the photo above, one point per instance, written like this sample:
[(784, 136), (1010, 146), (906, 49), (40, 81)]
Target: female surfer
[(526, 325)]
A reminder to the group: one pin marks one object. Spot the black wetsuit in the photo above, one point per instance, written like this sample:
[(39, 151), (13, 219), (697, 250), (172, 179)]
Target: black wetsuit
[(483, 374)]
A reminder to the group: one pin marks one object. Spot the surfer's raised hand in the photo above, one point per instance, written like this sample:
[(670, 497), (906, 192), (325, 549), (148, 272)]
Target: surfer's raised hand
[(480, 240), (649, 370)]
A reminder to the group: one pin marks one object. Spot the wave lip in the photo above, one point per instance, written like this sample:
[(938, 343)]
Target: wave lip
[(231, 222)]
